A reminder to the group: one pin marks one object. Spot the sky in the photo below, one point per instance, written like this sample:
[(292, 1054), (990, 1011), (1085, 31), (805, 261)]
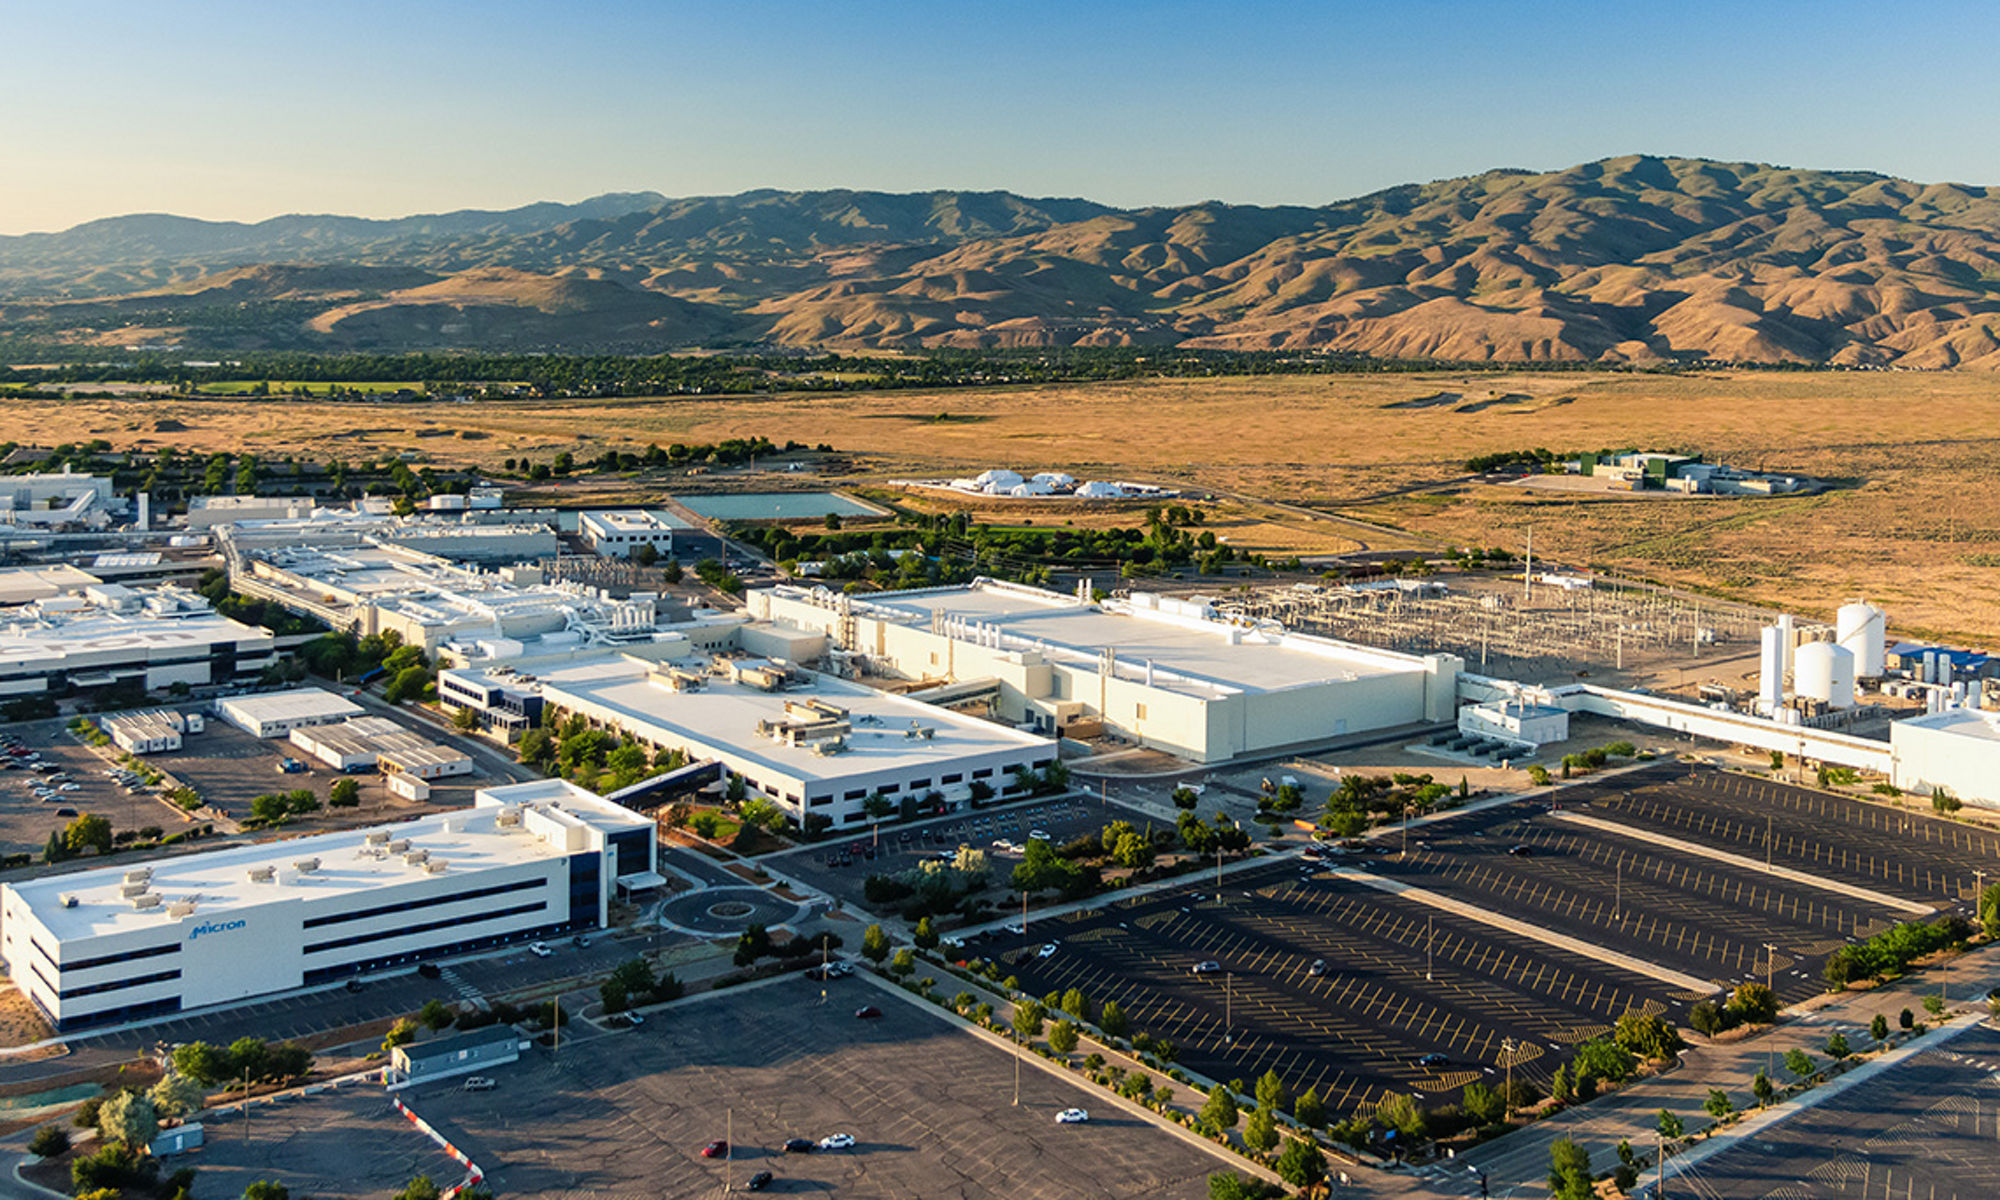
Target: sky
[(231, 110)]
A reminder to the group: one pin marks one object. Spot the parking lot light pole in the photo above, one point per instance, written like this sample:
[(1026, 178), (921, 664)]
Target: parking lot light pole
[(1429, 946), (1507, 1047)]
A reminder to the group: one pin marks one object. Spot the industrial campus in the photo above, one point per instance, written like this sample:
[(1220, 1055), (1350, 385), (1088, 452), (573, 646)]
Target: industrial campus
[(1406, 865)]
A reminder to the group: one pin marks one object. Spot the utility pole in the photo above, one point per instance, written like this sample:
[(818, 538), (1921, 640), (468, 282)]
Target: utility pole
[(1228, 1006), (729, 1150), (1429, 947), (1507, 1047), (1618, 891)]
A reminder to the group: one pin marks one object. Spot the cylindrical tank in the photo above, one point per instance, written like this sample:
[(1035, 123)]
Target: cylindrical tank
[(1825, 672), (1771, 670), (1863, 629)]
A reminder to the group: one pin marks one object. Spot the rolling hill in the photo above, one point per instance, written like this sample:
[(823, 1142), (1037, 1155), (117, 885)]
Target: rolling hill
[(1634, 259)]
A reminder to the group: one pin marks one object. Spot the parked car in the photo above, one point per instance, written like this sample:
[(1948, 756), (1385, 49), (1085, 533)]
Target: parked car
[(757, 1182), (1521, 850), (1430, 1060), (837, 1141), (539, 949), (1072, 1116), (867, 1012), (478, 1083), (1040, 835), (1047, 951), (800, 1145), (1207, 966), (65, 812), (1318, 967), (716, 1149)]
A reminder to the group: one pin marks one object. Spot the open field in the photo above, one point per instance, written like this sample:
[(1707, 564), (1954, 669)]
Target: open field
[(1911, 525)]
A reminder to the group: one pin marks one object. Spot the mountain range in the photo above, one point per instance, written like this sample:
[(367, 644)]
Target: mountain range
[(1636, 259)]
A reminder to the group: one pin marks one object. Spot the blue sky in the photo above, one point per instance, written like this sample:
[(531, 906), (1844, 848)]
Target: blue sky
[(241, 111)]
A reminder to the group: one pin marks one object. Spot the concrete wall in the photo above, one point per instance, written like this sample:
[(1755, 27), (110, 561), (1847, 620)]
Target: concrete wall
[(1927, 759)]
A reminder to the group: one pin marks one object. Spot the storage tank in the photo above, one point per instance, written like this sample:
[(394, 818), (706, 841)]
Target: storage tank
[(1825, 672), (1771, 670), (1863, 630)]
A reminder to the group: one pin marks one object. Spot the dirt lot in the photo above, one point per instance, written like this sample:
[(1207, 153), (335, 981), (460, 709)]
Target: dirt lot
[(1911, 523)]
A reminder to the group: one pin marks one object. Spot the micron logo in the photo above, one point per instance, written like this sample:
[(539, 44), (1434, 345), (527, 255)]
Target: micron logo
[(213, 927)]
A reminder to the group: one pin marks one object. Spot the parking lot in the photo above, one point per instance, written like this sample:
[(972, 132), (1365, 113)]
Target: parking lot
[(1899, 851), (26, 821), (1677, 909), (1927, 1127), (1399, 982), (331, 1146), (930, 1109), (839, 867)]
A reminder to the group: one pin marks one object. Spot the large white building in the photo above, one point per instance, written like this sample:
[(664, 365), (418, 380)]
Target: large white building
[(56, 498), (1957, 749), (118, 944), (616, 533), (114, 635), (276, 714), (817, 746), (1167, 673)]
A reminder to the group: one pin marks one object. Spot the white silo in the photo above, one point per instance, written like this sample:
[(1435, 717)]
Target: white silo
[(1825, 672), (1771, 671), (1863, 629), (1788, 640)]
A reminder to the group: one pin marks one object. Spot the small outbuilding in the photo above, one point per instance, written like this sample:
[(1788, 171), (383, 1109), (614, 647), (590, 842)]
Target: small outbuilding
[(463, 1054)]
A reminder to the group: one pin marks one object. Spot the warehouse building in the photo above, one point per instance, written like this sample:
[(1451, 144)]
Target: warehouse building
[(1167, 673), (221, 926), (365, 743), (1957, 749), (815, 745), (461, 1054), (276, 714), (157, 732), (113, 635)]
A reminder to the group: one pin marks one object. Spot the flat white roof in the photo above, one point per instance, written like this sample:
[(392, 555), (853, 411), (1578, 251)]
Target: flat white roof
[(19, 585), (1980, 723), (295, 704), (1199, 651), (633, 520), (30, 640), (725, 715)]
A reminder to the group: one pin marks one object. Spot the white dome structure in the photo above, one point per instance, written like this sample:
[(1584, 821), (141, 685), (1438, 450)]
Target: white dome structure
[(1862, 630), (1098, 490), (1824, 671), (1054, 479), (997, 481)]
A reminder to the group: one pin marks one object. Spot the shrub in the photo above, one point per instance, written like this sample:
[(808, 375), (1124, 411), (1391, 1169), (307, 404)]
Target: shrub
[(49, 1141)]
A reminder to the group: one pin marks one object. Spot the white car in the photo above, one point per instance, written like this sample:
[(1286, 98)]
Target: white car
[(1016, 927), (1040, 835), (1047, 951), (539, 950), (836, 1141), (1072, 1116)]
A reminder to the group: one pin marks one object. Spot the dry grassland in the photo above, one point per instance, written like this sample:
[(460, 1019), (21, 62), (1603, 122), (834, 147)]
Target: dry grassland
[(1915, 520)]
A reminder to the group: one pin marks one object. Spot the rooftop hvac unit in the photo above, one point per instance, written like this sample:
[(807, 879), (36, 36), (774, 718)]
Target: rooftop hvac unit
[(146, 900), (436, 866), (416, 858), (139, 875), (262, 874), (181, 908), (399, 846), (306, 866), (378, 838), (137, 887), (69, 900), (508, 818)]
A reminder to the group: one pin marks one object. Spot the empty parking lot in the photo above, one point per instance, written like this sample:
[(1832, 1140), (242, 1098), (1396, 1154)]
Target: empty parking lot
[(930, 1108)]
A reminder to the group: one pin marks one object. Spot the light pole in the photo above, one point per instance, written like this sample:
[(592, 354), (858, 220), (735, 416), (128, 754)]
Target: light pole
[(1507, 1047), (1429, 945), (1228, 1007), (1618, 891)]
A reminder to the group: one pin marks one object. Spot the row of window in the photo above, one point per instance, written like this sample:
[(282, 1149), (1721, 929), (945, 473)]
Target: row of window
[(119, 985), (361, 939), (383, 910), (105, 960)]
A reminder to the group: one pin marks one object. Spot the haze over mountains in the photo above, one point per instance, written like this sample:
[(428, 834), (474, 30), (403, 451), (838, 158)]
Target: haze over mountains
[(1634, 259)]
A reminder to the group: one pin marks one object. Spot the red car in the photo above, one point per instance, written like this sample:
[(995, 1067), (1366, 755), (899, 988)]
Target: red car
[(867, 1012), (716, 1149)]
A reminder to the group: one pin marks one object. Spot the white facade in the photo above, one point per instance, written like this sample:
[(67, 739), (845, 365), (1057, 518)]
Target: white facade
[(113, 635), (55, 498), (116, 944), (146, 732), (276, 714), (617, 533), (1167, 673), (364, 743), (814, 745), (1516, 721), (1957, 749)]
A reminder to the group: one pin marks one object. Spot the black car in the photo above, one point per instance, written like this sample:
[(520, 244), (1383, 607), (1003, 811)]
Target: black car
[(429, 970), (1522, 850), (800, 1145), (1431, 1060), (757, 1182)]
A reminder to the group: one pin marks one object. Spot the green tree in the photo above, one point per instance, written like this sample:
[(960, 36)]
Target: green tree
[(1570, 1176), (1028, 1018), (1040, 868), (88, 832), (1218, 1114), (1879, 1028), (1482, 1103), (1647, 1034), (1260, 1132), (1906, 1018), (1063, 1036), (1799, 1063), (1836, 1046), (1076, 1004), (1272, 1092), (402, 1033), (419, 1188), (1706, 1017), (1401, 1112), (1717, 1104), (265, 1189), (1309, 1110), (874, 944), (904, 964), (1670, 1126), (345, 793), (465, 720), (925, 935), (1111, 1019), (1302, 1164), (49, 1141), (1761, 1088), (409, 684), (1133, 851), (1754, 1003), (175, 1095), (1934, 1005), (128, 1119), (203, 1063), (1227, 1185), (436, 1015), (1562, 1085)]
